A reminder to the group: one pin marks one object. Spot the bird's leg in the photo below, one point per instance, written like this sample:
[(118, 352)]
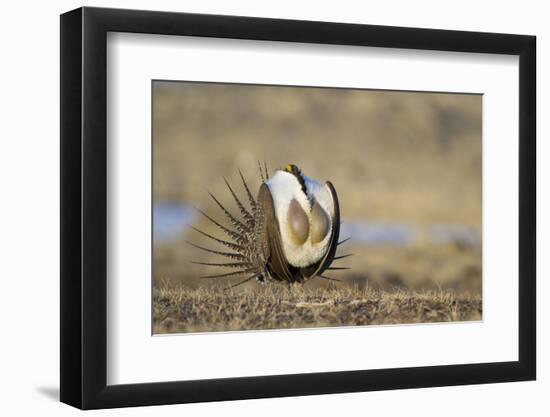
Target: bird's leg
[(264, 276)]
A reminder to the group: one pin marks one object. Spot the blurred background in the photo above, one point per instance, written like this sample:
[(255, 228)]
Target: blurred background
[(407, 167)]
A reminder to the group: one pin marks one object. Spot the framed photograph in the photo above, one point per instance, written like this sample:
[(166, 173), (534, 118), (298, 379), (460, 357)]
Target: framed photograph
[(256, 208)]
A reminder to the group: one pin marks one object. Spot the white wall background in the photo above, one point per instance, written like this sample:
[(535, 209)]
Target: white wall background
[(29, 226)]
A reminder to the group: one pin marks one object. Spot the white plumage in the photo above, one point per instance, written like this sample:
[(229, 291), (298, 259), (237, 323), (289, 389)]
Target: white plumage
[(284, 187)]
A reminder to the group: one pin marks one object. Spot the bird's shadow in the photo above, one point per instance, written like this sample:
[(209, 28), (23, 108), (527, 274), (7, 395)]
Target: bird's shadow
[(50, 392)]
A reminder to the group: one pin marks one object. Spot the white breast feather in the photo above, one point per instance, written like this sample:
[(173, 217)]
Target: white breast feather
[(284, 187)]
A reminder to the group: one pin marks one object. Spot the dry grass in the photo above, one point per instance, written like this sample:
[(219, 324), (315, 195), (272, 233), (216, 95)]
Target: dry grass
[(275, 306)]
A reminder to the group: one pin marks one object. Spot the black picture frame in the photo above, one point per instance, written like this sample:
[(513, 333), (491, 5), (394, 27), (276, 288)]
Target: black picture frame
[(84, 207)]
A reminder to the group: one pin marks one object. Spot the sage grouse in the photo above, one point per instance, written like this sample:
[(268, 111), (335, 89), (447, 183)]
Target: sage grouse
[(288, 234)]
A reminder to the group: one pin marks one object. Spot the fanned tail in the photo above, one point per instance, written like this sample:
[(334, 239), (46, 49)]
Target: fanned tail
[(229, 274), (266, 171), (244, 212), (230, 245), (344, 241), (261, 172), (342, 256), (238, 237), (234, 221), (241, 237), (236, 256), (241, 282), (226, 265), (328, 278), (251, 198)]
